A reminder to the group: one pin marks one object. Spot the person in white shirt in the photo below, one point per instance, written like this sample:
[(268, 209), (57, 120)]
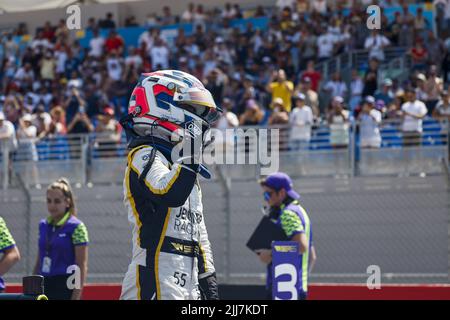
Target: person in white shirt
[(133, 58), (326, 43), (300, 119), (413, 111), (369, 121), (336, 87), (96, 45), (442, 110), (319, 6), (376, 43), (8, 144), (147, 37), (159, 55), (281, 4), (61, 58), (338, 120), (114, 66), (188, 14), (8, 139)]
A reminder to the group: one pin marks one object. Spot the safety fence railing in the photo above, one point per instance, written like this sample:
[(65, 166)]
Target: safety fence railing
[(355, 59), (322, 150)]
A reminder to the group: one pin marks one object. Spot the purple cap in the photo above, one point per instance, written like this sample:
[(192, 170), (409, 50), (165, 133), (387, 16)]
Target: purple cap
[(278, 181)]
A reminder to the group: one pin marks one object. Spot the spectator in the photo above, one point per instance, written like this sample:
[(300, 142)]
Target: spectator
[(301, 120), (91, 24), (282, 88), (436, 50), (420, 82), (320, 6), (56, 253), (200, 17), (9, 251), (338, 120), (11, 48), (393, 111), (227, 119), (80, 124), (433, 88), (419, 56), (108, 22), (131, 22), (167, 17), (40, 43), (96, 44), (394, 30), (413, 111), (252, 116), (159, 54), (313, 75), (134, 59), (48, 66), (386, 94), (420, 24), (279, 114), (108, 133), (188, 14), (282, 4), (41, 120), (24, 77), (61, 30), (356, 89), (58, 124), (376, 43), (336, 86), (443, 15), (74, 102), (114, 65), (114, 42), (370, 120), (308, 49), (26, 136), (442, 110), (147, 39), (326, 44), (8, 141), (215, 83), (407, 33), (311, 96), (371, 79)]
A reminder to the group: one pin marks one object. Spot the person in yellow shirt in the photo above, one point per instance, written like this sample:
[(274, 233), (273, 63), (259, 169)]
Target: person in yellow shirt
[(281, 88)]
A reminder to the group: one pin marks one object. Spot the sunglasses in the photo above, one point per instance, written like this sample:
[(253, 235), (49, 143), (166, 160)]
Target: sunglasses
[(268, 195)]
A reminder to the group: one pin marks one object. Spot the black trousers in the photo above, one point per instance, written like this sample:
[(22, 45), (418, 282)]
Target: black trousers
[(55, 288)]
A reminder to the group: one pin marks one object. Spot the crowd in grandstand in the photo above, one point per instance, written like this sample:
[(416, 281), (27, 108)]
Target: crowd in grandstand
[(54, 86)]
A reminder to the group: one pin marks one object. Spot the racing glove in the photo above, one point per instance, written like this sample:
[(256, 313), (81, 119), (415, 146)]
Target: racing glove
[(209, 287)]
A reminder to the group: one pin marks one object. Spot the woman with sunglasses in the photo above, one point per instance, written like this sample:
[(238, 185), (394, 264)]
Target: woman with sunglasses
[(287, 213)]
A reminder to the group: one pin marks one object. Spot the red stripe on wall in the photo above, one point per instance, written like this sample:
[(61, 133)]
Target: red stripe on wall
[(319, 291)]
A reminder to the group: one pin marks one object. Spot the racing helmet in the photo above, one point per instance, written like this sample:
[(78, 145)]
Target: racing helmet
[(164, 102)]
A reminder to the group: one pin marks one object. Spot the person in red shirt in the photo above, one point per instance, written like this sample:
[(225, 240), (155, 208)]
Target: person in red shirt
[(313, 75), (114, 42), (419, 55), (48, 32)]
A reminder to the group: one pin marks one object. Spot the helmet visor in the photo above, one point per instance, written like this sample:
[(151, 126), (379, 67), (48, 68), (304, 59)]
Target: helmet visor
[(199, 102)]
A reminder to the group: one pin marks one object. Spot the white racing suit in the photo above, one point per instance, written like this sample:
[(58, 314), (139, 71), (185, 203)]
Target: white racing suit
[(171, 250)]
